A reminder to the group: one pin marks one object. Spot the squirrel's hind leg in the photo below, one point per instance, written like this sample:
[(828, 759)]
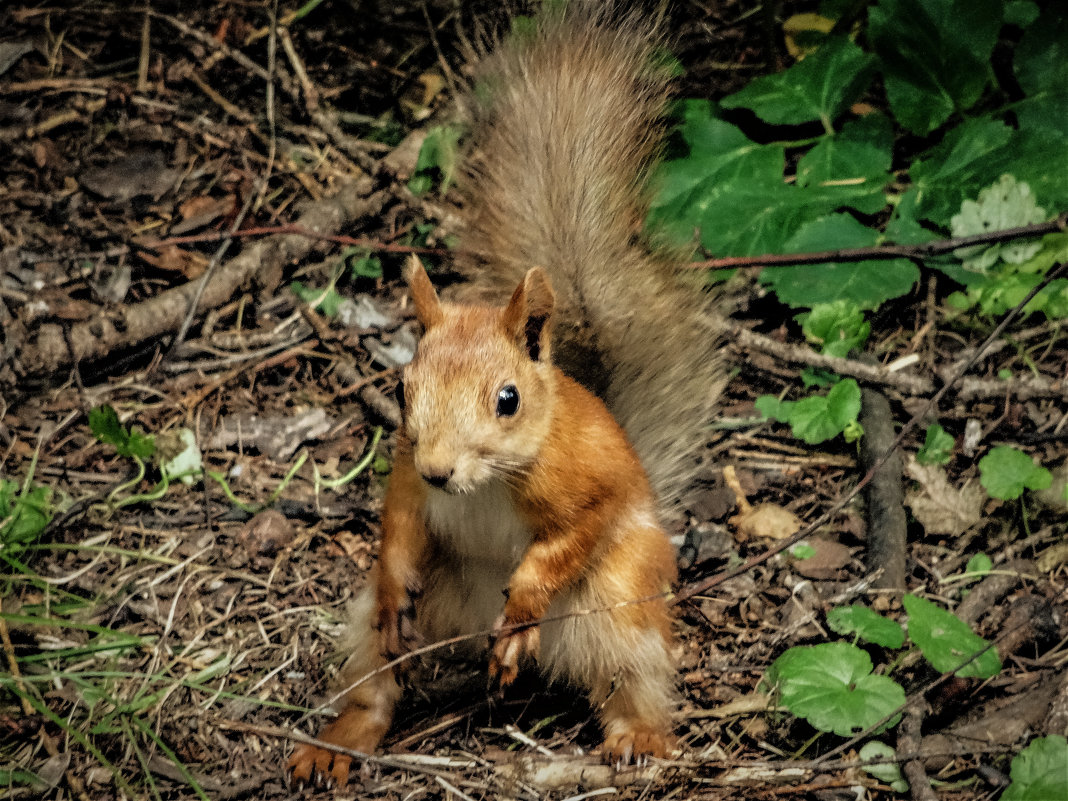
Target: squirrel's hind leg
[(635, 703), (365, 710), (621, 655)]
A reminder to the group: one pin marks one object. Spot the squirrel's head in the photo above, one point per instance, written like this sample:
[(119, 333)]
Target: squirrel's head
[(477, 398)]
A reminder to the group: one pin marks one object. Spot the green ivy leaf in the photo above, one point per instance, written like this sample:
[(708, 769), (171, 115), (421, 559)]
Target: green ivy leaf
[(1041, 64), (438, 156), (937, 446), (954, 165), (1020, 13), (816, 418), (837, 327), (820, 87), (976, 153), (935, 55), (866, 624), (1006, 472), (23, 517), (732, 191), (105, 426), (728, 188), (904, 226), (832, 687), (864, 284), (980, 563), (947, 641), (818, 377), (1038, 772), (853, 164), (328, 302), (361, 262)]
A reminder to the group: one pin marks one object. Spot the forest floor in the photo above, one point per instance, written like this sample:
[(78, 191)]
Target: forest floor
[(170, 642)]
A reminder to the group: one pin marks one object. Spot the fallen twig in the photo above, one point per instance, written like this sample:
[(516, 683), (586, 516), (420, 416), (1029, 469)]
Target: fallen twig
[(44, 351), (878, 252)]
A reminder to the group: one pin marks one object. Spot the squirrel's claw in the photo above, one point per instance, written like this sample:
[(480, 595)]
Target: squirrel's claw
[(313, 766), (512, 646), (635, 747)]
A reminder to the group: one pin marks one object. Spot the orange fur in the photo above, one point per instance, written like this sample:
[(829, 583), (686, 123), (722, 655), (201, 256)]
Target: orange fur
[(521, 521), (550, 505)]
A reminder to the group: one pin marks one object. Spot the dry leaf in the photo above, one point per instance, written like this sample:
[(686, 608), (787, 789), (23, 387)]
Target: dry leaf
[(806, 23), (828, 558), (173, 259), (1052, 558), (765, 520), (940, 507), (130, 175), (200, 211)]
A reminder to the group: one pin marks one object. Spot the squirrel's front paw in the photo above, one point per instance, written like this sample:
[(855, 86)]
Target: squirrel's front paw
[(395, 621), (511, 646)]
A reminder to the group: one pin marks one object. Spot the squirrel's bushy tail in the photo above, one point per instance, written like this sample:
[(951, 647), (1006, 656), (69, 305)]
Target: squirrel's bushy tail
[(566, 123)]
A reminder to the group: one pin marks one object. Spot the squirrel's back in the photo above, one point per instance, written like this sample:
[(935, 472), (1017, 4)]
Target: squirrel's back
[(566, 123)]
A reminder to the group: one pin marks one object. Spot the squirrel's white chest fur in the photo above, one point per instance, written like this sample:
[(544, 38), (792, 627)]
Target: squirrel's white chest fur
[(481, 540), (481, 526)]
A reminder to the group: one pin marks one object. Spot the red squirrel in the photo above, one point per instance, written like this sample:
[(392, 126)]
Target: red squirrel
[(517, 493)]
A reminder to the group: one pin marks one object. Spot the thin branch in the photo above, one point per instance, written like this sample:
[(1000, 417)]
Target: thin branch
[(745, 340), (919, 251)]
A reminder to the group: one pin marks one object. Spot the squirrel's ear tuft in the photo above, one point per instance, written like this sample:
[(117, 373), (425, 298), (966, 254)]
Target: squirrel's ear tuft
[(427, 305), (528, 312)]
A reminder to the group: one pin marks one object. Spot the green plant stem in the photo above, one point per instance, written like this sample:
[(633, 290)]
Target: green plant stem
[(359, 467), (53, 675), (29, 473), (109, 501), (807, 744), (256, 508), (32, 620), (153, 494), (899, 659), (145, 769), (173, 757), (304, 10), (978, 574)]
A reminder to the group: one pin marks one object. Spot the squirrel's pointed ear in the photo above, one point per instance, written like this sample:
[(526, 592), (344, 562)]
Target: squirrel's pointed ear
[(427, 305), (528, 312)]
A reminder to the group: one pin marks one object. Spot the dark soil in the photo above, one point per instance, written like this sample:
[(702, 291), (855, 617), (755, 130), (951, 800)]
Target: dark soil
[(167, 646)]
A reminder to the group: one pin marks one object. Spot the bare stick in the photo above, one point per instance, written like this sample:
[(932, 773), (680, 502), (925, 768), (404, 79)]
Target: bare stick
[(920, 251)]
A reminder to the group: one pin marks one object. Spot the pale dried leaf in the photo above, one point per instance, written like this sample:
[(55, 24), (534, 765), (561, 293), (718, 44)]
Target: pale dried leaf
[(765, 520), (940, 507)]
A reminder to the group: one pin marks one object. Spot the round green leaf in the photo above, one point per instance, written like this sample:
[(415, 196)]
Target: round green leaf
[(866, 624), (1040, 771), (1006, 472), (867, 285), (832, 687)]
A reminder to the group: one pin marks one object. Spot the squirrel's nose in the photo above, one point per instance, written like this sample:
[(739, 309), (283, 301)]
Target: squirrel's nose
[(437, 478)]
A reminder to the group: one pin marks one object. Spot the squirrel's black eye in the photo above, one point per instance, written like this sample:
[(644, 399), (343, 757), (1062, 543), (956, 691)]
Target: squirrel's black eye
[(507, 401), (400, 394)]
